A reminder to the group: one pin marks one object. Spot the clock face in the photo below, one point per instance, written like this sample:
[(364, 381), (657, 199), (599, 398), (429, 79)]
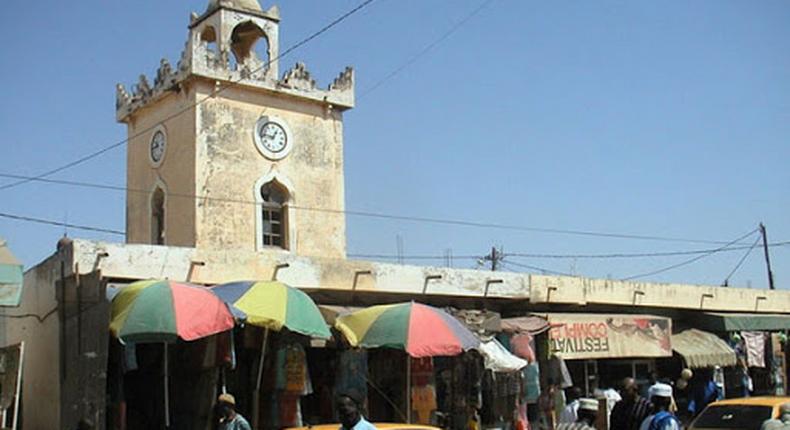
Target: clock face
[(273, 137), (158, 143)]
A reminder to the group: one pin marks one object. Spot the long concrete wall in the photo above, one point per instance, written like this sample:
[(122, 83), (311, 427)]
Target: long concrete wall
[(209, 267)]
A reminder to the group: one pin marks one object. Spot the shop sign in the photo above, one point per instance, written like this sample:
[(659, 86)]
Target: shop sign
[(588, 336)]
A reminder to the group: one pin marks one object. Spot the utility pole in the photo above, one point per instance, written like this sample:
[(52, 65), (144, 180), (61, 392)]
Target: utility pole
[(767, 257), (495, 257)]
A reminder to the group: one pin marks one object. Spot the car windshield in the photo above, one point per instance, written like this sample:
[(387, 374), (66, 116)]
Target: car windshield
[(740, 417)]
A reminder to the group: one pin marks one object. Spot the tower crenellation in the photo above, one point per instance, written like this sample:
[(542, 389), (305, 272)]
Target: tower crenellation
[(234, 41)]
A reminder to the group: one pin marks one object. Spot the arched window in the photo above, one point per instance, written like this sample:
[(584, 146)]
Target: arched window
[(158, 217), (274, 215), (245, 43)]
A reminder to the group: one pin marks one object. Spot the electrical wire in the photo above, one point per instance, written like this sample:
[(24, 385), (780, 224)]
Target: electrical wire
[(530, 267), (637, 254), (60, 224), (692, 260), (738, 266), (230, 84), (379, 215), (415, 257), (566, 256), (425, 50)]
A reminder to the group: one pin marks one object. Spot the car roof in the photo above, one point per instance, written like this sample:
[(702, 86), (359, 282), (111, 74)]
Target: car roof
[(755, 401)]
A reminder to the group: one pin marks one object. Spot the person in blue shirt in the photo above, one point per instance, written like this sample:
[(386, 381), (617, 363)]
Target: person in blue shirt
[(349, 411), (229, 419)]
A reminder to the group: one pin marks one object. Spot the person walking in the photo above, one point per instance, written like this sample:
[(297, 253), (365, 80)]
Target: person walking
[(661, 418), (587, 415), (229, 419), (629, 412)]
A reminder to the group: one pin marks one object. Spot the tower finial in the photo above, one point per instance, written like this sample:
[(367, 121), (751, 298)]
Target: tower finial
[(250, 5)]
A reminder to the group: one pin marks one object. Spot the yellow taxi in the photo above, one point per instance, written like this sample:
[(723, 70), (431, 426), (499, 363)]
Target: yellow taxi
[(746, 413)]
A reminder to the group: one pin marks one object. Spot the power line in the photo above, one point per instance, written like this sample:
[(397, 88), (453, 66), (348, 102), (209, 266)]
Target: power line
[(567, 256), (378, 215), (638, 254), (230, 84), (414, 257), (530, 267), (503, 261), (426, 49), (737, 266), (60, 224), (699, 257)]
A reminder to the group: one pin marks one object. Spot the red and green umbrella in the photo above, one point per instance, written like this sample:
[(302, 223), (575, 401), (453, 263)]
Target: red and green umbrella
[(420, 330), (274, 305), (163, 311)]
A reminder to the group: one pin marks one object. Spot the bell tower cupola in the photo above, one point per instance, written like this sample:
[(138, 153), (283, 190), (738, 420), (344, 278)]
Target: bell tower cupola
[(225, 152)]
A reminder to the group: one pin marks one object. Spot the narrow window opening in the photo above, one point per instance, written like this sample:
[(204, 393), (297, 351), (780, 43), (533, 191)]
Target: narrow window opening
[(274, 215), (158, 217)]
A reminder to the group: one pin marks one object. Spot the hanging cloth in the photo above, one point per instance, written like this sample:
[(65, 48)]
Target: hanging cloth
[(755, 348)]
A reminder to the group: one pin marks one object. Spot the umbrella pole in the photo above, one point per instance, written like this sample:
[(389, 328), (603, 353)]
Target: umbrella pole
[(408, 388), (167, 391), (256, 396)]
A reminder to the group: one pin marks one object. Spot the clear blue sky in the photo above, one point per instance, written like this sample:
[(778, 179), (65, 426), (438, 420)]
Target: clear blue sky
[(656, 118)]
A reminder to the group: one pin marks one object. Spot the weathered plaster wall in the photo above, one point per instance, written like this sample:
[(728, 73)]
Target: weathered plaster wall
[(140, 262), (40, 372), (176, 172), (229, 165), (573, 290)]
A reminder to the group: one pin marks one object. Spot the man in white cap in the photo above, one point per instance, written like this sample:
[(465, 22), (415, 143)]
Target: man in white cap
[(587, 414), (661, 418), (781, 423)]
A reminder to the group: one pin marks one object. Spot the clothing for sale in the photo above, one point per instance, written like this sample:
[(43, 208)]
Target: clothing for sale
[(423, 403), (558, 372), (754, 341), (523, 345), (130, 356), (291, 370), (531, 383), (352, 371), (421, 371)]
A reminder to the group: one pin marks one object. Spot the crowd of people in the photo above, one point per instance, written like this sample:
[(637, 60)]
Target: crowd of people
[(632, 412)]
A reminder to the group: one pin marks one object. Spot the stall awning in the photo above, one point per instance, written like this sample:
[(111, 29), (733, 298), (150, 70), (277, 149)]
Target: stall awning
[(720, 322), (11, 277), (530, 324), (591, 336), (702, 349)]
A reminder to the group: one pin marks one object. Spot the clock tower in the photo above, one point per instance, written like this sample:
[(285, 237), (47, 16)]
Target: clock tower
[(226, 153)]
